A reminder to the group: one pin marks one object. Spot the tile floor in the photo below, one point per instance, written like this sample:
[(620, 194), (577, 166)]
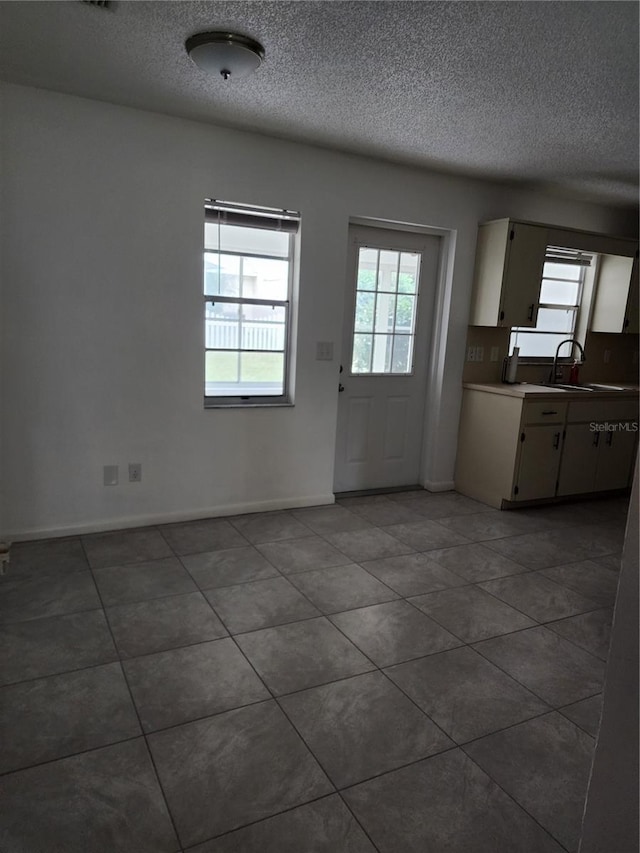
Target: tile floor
[(409, 673)]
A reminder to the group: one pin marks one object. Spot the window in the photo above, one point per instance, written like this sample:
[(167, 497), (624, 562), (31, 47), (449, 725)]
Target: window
[(248, 270), (560, 296), (385, 315)]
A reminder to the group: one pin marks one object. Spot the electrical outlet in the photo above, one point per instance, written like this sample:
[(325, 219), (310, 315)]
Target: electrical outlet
[(471, 354), (110, 475), (135, 472), (479, 353), (607, 356), (495, 353)]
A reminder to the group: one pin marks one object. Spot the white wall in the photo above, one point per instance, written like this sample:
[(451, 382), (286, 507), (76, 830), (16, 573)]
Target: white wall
[(101, 315)]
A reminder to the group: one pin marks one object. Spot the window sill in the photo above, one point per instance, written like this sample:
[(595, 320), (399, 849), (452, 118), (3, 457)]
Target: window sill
[(236, 404)]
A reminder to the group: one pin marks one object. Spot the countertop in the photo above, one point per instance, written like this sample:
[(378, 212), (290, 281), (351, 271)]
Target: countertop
[(529, 390)]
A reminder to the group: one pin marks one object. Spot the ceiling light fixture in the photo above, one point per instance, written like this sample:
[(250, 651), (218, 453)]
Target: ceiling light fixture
[(227, 54)]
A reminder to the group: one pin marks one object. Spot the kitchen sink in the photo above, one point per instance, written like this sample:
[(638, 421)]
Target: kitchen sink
[(584, 386)]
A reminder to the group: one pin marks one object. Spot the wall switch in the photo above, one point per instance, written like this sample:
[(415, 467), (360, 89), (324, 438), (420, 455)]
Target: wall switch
[(607, 356), (471, 354), (110, 475), (479, 353), (324, 350), (135, 472), (495, 353)]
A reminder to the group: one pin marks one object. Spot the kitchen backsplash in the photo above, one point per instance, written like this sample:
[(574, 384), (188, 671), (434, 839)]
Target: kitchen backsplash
[(622, 365)]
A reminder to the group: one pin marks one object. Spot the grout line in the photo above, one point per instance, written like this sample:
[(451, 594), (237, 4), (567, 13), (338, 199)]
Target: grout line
[(137, 713)]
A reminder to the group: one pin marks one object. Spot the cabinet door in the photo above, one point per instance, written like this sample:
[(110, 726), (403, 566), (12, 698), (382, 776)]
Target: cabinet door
[(523, 275), (632, 316), (615, 459), (539, 461), (579, 460), (615, 307)]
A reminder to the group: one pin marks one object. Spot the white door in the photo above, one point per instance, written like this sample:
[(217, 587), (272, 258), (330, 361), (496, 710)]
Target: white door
[(391, 282)]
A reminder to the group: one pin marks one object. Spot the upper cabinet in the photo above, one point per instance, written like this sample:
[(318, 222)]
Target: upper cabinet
[(616, 306), (508, 273), (510, 258)]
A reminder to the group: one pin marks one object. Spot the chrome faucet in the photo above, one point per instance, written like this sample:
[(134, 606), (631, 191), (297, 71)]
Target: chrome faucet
[(553, 377)]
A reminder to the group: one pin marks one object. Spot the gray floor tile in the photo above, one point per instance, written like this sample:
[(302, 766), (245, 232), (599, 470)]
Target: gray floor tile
[(444, 803), (389, 512), (553, 548), (164, 623), (393, 632), (347, 727), (488, 525), (211, 534), (36, 597), (102, 801), (226, 771), (544, 765), (342, 588), (476, 563), (588, 578), (143, 581), (554, 669), (442, 505), (412, 574), (228, 567), (270, 527), (125, 546), (464, 694), (260, 604), (471, 614), (585, 714), (426, 535), (301, 555), (330, 519), (49, 557), (173, 687), (56, 644), (369, 544), (590, 631), (325, 826), (302, 654), (538, 597), (52, 717), (610, 561)]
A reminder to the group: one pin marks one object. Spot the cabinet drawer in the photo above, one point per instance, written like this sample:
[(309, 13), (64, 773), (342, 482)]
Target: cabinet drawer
[(585, 411), (545, 412)]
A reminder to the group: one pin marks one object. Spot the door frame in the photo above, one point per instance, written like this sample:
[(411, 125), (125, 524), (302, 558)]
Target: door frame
[(438, 343)]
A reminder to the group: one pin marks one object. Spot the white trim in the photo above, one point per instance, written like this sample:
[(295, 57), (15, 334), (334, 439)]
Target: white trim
[(442, 486), (129, 522)]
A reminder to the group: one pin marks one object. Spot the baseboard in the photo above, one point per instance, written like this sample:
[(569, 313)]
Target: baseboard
[(439, 485), (129, 522)]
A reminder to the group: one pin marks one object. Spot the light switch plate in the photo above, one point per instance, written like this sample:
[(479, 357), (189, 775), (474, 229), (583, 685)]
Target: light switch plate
[(471, 353), (479, 353), (324, 350)]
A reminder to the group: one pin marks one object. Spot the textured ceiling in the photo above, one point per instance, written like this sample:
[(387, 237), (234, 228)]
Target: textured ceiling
[(544, 93)]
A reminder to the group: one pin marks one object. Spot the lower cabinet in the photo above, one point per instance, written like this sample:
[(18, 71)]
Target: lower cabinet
[(539, 462), (513, 449)]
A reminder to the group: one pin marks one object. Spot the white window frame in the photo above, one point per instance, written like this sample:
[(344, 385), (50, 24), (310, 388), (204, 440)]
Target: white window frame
[(559, 256), (274, 219)]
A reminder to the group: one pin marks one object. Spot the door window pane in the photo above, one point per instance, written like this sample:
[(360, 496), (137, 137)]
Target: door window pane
[(367, 269), (409, 270), (389, 312), (382, 350), (362, 349), (388, 271), (365, 303)]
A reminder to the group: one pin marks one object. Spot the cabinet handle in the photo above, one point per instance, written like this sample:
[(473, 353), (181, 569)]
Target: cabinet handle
[(550, 412), (596, 439), (530, 314), (556, 441), (609, 439)]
